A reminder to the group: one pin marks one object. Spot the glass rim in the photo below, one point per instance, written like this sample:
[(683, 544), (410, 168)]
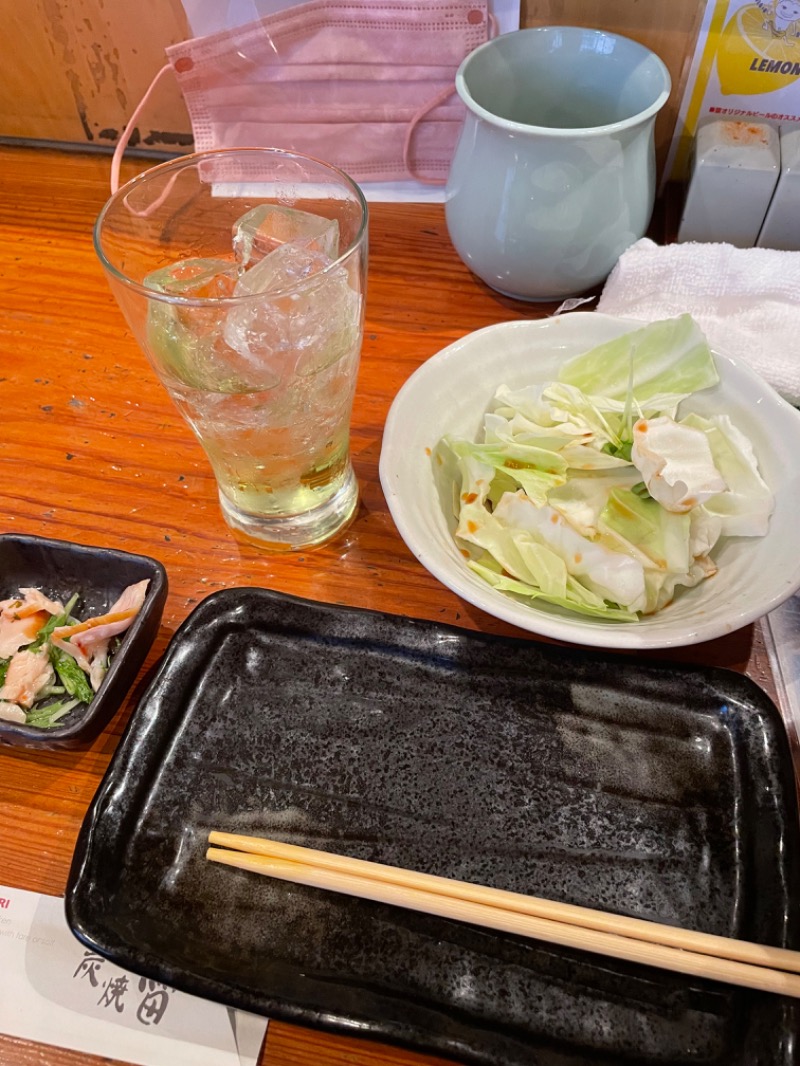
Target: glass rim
[(179, 162)]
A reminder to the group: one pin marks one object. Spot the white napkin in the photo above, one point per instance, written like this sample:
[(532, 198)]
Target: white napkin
[(746, 300)]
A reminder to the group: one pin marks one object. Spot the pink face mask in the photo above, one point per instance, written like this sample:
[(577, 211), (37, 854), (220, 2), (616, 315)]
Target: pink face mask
[(367, 85)]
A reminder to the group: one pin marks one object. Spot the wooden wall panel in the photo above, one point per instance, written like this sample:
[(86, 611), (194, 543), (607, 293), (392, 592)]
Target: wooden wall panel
[(73, 70)]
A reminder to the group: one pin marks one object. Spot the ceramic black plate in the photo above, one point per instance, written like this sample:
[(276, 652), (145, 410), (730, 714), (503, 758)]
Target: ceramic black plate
[(660, 792)]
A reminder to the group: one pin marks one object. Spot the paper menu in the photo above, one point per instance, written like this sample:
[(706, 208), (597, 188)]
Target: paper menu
[(54, 991), (745, 66)]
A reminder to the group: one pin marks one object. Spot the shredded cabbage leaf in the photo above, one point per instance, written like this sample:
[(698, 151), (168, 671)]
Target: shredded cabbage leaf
[(592, 493)]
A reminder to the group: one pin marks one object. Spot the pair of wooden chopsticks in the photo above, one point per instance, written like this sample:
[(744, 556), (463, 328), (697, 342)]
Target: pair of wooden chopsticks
[(718, 958)]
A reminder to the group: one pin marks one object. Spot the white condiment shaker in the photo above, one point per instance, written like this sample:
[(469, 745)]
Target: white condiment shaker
[(781, 227), (735, 170)]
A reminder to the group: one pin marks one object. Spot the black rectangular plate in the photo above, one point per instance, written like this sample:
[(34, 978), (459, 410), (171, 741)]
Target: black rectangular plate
[(662, 792)]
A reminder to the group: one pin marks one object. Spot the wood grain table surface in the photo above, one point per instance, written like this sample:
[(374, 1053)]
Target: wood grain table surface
[(92, 450)]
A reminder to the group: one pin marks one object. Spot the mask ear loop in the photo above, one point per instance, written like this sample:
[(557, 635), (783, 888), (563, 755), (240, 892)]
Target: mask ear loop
[(130, 126), (411, 128), (122, 144), (427, 107)]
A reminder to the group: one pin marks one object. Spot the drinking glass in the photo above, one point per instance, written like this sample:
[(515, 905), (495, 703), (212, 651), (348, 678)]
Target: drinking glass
[(242, 274)]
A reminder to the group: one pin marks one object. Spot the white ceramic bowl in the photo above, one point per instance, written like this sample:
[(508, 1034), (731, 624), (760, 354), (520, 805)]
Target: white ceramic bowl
[(452, 390)]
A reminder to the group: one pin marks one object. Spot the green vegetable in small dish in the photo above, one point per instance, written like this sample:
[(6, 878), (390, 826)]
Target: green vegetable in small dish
[(51, 661)]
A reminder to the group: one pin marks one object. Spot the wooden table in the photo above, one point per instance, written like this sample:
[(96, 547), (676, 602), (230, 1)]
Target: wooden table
[(92, 450)]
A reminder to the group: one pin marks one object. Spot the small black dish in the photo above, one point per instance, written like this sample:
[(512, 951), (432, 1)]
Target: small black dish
[(60, 569), (664, 792)]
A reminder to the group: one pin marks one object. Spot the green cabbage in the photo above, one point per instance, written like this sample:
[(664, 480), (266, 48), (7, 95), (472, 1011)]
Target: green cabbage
[(550, 504)]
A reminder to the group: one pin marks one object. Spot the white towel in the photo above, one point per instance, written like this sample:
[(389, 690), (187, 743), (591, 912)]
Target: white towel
[(746, 300)]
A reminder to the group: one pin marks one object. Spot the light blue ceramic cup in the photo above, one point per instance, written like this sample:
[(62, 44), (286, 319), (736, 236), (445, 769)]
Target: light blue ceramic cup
[(553, 175)]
